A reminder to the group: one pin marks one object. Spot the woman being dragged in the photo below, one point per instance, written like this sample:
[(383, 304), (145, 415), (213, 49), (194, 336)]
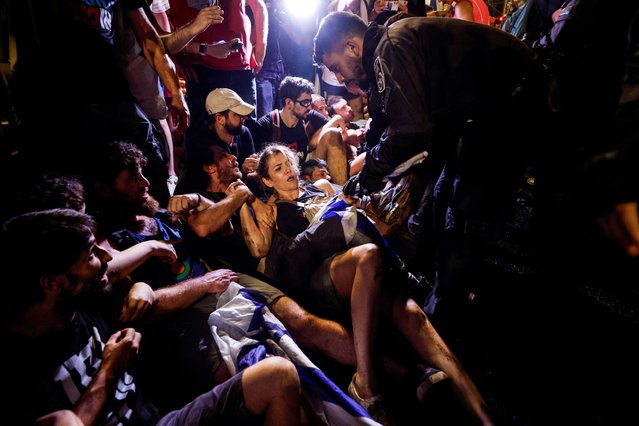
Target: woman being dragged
[(334, 269)]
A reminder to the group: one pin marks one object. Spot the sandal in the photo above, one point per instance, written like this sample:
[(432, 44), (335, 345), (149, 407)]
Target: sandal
[(373, 405), (428, 378)]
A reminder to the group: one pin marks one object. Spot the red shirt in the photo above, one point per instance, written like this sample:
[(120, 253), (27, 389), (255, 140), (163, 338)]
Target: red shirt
[(236, 24), (480, 12)]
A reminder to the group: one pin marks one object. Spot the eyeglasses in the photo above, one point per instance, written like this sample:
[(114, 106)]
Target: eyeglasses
[(304, 102)]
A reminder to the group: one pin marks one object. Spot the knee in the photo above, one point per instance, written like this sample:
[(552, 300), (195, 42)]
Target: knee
[(61, 417), (370, 258), (411, 312), (332, 138), (281, 374)]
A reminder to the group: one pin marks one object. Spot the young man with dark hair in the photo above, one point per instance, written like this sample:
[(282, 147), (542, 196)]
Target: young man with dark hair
[(69, 365), (313, 170), (305, 131), (128, 215), (227, 114)]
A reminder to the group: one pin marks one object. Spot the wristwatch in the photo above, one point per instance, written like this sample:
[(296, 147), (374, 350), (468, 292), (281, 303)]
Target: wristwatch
[(202, 49)]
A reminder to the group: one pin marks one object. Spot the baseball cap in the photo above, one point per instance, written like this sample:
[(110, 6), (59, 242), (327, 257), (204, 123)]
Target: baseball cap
[(222, 99)]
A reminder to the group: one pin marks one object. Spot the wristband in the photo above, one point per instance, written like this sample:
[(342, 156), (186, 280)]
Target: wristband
[(200, 207)]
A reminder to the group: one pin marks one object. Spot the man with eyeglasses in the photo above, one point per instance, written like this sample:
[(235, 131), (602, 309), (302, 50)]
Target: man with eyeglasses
[(304, 130)]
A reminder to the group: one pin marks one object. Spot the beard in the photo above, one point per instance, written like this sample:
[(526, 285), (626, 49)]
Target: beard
[(233, 130), (229, 175), (149, 207), (301, 116), (355, 87), (359, 83), (92, 296), (129, 208), (355, 65), (119, 212)]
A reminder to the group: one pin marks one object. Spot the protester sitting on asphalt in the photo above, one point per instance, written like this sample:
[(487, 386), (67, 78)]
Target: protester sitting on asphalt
[(340, 274), (63, 358)]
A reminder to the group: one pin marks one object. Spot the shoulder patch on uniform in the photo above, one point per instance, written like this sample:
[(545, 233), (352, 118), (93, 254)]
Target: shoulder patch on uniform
[(379, 75)]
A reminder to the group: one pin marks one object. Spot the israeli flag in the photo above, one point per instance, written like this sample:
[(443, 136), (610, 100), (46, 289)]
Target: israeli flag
[(246, 331)]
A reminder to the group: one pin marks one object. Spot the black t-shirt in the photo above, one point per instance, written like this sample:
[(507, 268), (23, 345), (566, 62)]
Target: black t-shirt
[(242, 146), (51, 373), (296, 138)]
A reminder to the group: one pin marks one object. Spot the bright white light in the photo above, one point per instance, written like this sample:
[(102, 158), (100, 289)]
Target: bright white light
[(301, 9)]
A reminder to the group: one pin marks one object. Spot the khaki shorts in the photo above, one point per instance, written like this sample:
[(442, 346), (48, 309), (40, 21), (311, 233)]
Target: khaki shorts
[(270, 293)]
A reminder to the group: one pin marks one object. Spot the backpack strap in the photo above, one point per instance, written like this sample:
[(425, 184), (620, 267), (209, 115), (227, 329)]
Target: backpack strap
[(308, 129), (277, 130)]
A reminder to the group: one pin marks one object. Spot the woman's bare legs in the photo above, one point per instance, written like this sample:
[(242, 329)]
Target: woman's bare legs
[(272, 388), (310, 331), (357, 278), (409, 318)]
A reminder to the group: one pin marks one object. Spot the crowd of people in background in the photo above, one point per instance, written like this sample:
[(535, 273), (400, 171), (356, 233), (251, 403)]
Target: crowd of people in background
[(212, 189)]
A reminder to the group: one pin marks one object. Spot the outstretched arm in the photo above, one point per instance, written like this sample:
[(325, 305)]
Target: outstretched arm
[(126, 261), (180, 296), (206, 217)]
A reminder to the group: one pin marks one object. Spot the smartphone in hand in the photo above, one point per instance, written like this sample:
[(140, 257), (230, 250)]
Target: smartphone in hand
[(237, 45), (392, 5), (200, 4)]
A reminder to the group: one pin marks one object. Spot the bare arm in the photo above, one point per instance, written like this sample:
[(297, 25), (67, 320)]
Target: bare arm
[(176, 41), (464, 11), (204, 216), (622, 226), (180, 296), (155, 54), (379, 7), (325, 186), (163, 22), (60, 418), (126, 261), (261, 30), (217, 217), (258, 231)]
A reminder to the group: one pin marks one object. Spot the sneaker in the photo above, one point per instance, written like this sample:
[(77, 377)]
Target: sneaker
[(429, 377), (373, 405)]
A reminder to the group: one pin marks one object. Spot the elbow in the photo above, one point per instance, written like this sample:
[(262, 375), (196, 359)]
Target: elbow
[(257, 252), (201, 231)]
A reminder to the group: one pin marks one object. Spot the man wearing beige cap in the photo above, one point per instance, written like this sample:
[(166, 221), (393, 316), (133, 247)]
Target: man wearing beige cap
[(227, 112)]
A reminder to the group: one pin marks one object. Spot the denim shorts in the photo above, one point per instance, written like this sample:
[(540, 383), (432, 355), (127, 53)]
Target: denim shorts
[(223, 405)]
